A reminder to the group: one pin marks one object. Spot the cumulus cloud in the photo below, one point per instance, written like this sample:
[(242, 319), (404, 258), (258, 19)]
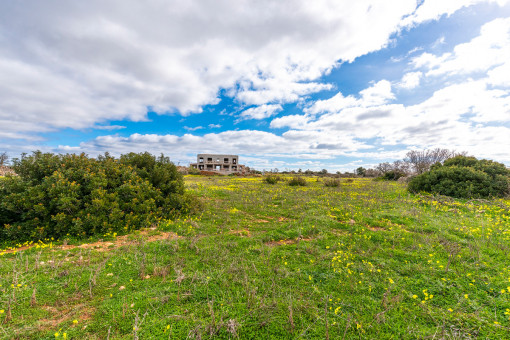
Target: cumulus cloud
[(410, 80), (489, 49), (73, 66), (377, 94), (463, 116), (261, 112), (66, 65), (468, 113)]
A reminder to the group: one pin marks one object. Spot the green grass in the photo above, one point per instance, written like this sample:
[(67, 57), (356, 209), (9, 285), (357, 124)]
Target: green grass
[(361, 260)]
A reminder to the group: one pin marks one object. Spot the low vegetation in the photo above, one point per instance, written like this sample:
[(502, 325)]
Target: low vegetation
[(272, 179), (331, 182), (297, 181), (366, 259), (58, 196), (464, 177)]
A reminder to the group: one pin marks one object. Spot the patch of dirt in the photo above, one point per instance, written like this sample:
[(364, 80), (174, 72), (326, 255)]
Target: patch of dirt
[(15, 250), (282, 242), (109, 245), (80, 312), (122, 241), (280, 219), (242, 233), (339, 232), (376, 228)]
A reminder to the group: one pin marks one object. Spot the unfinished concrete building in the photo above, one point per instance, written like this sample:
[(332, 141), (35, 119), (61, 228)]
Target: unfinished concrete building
[(222, 164)]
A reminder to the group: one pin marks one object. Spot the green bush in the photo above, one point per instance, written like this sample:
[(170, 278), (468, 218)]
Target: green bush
[(332, 182), (59, 195), (193, 171), (272, 179), (464, 177), (392, 175), (297, 181)]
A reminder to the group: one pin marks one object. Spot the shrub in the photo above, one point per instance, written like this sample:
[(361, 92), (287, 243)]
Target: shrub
[(59, 195), (272, 179), (464, 177), (332, 182), (193, 171), (392, 175), (297, 181)]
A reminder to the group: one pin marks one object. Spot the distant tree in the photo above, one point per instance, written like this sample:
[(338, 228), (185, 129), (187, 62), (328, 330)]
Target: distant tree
[(3, 158), (361, 171), (402, 167), (372, 173), (384, 167), (324, 172), (421, 161)]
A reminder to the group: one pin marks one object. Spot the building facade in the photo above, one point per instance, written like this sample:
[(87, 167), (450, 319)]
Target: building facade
[(222, 164)]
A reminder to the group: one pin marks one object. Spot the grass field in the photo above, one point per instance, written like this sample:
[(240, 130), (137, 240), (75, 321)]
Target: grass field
[(365, 260)]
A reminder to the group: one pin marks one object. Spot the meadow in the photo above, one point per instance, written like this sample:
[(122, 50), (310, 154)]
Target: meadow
[(364, 260)]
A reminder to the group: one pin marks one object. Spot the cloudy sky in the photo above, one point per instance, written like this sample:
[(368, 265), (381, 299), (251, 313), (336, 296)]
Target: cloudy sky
[(317, 84)]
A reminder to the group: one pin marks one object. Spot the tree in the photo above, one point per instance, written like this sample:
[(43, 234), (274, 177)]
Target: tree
[(361, 171), (3, 158), (384, 167), (421, 161)]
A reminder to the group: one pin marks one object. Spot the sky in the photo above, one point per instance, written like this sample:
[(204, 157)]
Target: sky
[(323, 84)]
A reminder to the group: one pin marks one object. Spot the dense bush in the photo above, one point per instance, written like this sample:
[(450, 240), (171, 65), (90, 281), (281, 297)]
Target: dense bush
[(272, 179), (297, 181), (392, 175), (58, 195), (332, 182), (464, 177)]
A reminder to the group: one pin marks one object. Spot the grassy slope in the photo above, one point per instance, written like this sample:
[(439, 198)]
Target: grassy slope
[(363, 260)]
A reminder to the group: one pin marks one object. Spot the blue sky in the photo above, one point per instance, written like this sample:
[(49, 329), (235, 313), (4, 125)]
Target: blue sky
[(285, 85)]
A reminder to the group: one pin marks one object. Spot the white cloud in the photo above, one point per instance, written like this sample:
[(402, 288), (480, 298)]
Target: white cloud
[(214, 126), (261, 112), (410, 80), (434, 9), (73, 66), (108, 127), (65, 65), (193, 128), (461, 116), (500, 76), (378, 94), (489, 49)]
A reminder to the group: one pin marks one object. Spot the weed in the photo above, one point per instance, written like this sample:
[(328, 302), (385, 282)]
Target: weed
[(331, 182), (272, 179), (297, 181)]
